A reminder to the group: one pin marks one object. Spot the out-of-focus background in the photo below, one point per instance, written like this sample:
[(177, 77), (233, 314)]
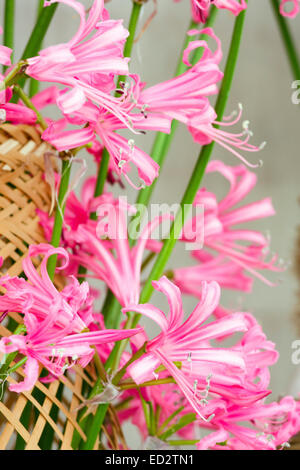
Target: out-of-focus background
[(262, 84)]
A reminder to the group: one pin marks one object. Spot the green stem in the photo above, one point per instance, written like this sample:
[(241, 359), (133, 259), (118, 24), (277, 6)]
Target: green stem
[(17, 365), (101, 177), (134, 17), (9, 25), (34, 84), (288, 40), (150, 383), (133, 358), (169, 419), (27, 101), (199, 169), (95, 427), (39, 31), (183, 442), (12, 77), (58, 220)]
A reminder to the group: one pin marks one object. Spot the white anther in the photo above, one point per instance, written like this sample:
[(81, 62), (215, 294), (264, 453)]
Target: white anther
[(262, 145), (121, 163)]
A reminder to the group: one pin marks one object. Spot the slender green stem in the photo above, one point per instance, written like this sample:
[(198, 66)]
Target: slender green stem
[(39, 32), (134, 17), (288, 40), (17, 365), (34, 84), (95, 427), (133, 358), (58, 220), (150, 383), (183, 442), (13, 75), (101, 177), (169, 419), (181, 423), (9, 25), (200, 166), (27, 101)]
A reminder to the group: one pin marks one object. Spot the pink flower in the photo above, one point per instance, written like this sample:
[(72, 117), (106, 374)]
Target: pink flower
[(226, 369), (239, 250), (292, 10), (14, 112), (78, 211), (113, 260), (102, 124), (182, 98), (200, 8), (258, 427), (5, 53), (87, 63), (187, 93), (165, 398), (52, 319), (211, 268)]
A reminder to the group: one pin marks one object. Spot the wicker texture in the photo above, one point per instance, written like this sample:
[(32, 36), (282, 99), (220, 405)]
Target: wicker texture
[(22, 191)]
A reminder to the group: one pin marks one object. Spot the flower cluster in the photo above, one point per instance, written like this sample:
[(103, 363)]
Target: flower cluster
[(204, 376)]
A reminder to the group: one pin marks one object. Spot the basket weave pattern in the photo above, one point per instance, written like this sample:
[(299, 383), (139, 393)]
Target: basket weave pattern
[(23, 190)]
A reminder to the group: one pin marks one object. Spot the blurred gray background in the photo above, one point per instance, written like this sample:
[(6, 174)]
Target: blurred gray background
[(262, 84)]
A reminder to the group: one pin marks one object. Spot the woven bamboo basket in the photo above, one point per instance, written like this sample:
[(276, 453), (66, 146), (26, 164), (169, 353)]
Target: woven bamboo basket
[(26, 419)]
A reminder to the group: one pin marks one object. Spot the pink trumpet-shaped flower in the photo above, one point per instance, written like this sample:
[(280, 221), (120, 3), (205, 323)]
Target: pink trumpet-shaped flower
[(52, 319), (121, 272), (102, 124), (239, 250), (187, 93), (189, 343), (87, 63), (258, 427), (38, 293), (292, 10), (183, 99)]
